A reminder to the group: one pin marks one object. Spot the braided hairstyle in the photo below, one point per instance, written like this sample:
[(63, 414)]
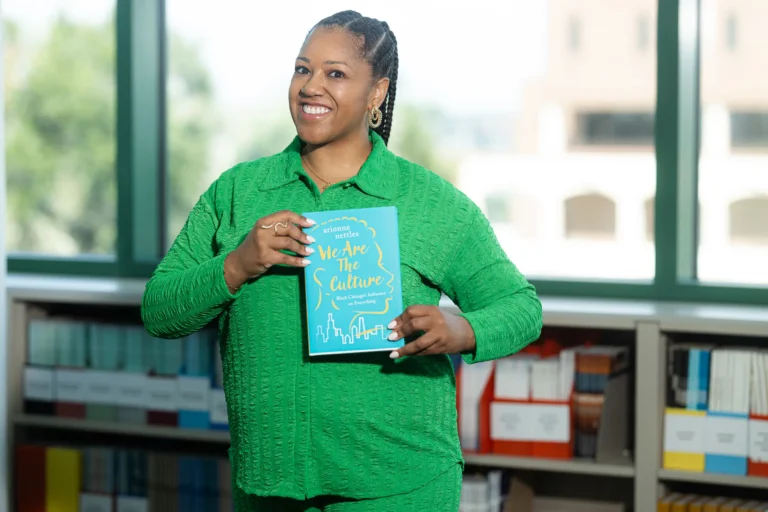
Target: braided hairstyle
[(379, 49)]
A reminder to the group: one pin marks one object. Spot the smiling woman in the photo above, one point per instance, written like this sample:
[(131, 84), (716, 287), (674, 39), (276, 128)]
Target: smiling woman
[(351, 433), (345, 81)]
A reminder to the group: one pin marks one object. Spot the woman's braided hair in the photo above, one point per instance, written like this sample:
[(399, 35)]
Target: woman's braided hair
[(379, 49)]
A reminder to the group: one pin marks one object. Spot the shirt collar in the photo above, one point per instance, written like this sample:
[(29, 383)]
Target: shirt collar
[(377, 176)]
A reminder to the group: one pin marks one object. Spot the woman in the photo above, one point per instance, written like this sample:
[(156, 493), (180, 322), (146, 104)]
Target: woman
[(347, 433)]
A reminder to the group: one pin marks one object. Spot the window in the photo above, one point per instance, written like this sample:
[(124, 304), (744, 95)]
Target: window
[(574, 34), (747, 221), (749, 130), (590, 216), (733, 164), (650, 215), (643, 32), (59, 60), (228, 78), (615, 128), (731, 33)]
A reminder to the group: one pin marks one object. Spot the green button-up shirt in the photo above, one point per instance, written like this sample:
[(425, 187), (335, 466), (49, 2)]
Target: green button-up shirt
[(357, 426)]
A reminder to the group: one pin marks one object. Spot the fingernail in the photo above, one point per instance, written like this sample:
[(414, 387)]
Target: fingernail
[(392, 337), (305, 262), (394, 355), (392, 324), (309, 250), (311, 222), (310, 239)]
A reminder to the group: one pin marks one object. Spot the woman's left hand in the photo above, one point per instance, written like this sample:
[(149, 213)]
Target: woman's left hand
[(442, 332)]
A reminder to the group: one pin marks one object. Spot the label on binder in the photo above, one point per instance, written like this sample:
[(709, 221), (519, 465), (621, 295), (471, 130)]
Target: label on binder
[(100, 387), (193, 393), (38, 384), (162, 394), (510, 422), (95, 502), (71, 385), (131, 389), (758, 440), (550, 423), (218, 407), (727, 435), (132, 504), (684, 431)]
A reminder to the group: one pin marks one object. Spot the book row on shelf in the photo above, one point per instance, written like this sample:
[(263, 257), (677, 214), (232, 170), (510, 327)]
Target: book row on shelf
[(680, 502), (548, 401), (56, 478), (118, 373), (502, 491), (716, 420), (99, 479)]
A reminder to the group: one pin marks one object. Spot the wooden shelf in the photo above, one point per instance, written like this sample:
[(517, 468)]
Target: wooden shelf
[(623, 468), (54, 422), (755, 482)]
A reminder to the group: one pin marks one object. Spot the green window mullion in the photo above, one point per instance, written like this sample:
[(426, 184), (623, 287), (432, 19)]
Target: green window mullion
[(667, 142), (688, 140), (140, 148)]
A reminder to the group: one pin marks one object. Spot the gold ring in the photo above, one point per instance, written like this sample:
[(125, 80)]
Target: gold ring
[(275, 225)]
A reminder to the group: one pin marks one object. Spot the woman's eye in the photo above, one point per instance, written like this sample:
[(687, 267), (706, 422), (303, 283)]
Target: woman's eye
[(336, 74), (301, 70)]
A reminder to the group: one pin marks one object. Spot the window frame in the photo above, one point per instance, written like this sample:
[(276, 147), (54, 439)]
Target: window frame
[(140, 160), (142, 169)]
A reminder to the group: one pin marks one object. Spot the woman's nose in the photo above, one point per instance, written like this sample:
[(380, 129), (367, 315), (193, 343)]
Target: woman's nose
[(313, 86)]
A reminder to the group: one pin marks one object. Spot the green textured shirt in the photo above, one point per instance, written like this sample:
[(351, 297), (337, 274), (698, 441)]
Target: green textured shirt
[(358, 426)]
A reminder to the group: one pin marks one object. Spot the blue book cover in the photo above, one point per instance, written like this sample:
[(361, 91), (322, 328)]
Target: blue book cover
[(353, 287)]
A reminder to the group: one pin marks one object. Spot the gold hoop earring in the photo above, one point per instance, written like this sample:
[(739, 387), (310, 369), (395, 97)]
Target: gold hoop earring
[(375, 117)]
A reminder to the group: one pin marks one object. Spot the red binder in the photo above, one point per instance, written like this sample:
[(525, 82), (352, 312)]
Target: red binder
[(755, 468)]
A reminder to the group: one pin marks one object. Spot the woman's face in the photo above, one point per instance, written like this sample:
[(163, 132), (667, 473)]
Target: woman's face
[(331, 87)]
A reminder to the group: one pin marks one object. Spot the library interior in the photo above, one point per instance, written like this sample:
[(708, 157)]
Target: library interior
[(618, 149)]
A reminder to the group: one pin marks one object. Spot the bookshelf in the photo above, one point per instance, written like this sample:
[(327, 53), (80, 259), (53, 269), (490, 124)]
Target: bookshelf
[(121, 429), (753, 482), (624, 469), (648, 323)]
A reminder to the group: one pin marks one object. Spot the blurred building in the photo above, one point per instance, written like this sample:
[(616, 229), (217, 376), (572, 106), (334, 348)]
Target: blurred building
[(581, 181)]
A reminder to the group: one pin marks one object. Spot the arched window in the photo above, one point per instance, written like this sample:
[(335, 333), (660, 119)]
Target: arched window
[(649, 206), (590, 216), (748, 220)]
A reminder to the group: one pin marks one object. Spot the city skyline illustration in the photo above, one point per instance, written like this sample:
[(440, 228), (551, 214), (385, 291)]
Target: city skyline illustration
[(358, 330)]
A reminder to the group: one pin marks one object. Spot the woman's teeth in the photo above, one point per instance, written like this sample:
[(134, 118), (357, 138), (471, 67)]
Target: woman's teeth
[(313, 110)]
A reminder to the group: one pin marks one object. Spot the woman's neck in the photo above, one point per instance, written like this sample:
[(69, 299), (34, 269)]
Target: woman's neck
[(337, 161)]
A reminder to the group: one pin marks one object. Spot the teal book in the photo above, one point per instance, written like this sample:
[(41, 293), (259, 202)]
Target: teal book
[(353, 287)]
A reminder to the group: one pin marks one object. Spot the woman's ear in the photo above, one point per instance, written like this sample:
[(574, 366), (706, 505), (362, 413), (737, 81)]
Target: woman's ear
[(379, 92)]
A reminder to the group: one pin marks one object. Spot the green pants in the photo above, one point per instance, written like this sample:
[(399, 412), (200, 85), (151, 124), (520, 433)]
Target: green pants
[(442, 493)]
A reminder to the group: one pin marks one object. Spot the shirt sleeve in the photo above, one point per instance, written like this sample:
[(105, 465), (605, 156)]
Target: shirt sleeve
[(495, 298), (187, 289)]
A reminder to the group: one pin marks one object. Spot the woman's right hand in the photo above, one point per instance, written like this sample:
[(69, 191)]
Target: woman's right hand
[(260, 250)]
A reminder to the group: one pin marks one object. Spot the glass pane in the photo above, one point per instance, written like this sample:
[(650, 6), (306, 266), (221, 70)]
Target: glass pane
[(59, 59), (542, 112), (733, 166)]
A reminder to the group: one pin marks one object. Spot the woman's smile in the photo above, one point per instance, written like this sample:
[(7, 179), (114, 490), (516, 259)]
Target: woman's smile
[(314, 111)]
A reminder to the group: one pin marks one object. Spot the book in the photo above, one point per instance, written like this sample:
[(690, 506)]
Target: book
[(353, 287)]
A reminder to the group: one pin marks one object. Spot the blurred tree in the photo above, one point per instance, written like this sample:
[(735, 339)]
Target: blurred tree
[(61, 137), (60, 141), (191, 125), (412, 139)]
